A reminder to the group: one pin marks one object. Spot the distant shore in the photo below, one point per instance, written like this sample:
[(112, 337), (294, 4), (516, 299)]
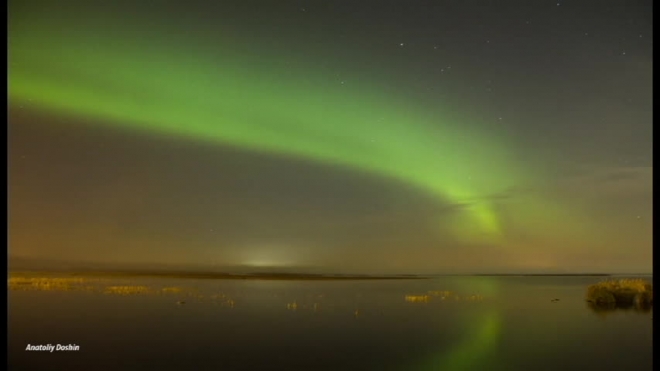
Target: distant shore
[(552, 275), (220, 275), (278, 275)]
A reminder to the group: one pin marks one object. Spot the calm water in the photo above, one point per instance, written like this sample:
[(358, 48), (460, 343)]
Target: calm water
[(333, 325)]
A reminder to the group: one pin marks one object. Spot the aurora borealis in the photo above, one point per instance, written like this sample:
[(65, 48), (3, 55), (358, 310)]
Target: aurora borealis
[(332, 135)]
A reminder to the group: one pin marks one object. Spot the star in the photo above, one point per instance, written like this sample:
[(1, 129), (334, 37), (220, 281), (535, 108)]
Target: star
[(401, 44)]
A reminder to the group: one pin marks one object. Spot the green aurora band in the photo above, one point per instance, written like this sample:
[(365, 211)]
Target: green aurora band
[(220, 95)]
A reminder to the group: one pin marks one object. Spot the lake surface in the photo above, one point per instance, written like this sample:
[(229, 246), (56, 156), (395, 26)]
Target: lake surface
[(448, 323)]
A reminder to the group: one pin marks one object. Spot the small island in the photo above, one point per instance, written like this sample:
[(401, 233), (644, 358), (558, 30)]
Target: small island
[(621, 293)]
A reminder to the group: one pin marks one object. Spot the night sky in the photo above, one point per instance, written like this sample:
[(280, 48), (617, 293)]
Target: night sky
[(363, 136)]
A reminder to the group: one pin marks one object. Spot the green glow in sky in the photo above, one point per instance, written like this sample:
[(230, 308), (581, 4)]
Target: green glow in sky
[(214, 94)]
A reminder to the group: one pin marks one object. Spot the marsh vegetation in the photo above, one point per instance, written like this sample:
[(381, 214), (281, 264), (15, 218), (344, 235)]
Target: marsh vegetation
[(620, 293), (440, 296)]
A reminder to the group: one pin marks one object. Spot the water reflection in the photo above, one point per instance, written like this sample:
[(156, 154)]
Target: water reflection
[(452, 324), (603, 310), (474, 351)]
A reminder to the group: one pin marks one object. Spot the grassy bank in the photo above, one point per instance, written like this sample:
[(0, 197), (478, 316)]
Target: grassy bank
[(621, 293)]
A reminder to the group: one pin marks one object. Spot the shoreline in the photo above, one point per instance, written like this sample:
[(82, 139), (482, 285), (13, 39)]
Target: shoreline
[(279, 276), (220, 275)]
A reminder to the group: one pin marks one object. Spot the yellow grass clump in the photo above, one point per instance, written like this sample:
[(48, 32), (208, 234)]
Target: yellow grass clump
[(442, 295), (621, 293), (172, 290), (127, 290), (418, 298), (45, 283)]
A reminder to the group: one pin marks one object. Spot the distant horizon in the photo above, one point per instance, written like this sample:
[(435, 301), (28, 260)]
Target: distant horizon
[(17, 263)]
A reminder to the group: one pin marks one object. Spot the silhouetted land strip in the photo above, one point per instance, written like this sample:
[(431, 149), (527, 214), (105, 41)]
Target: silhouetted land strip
[(546, 275), (235, 276)]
